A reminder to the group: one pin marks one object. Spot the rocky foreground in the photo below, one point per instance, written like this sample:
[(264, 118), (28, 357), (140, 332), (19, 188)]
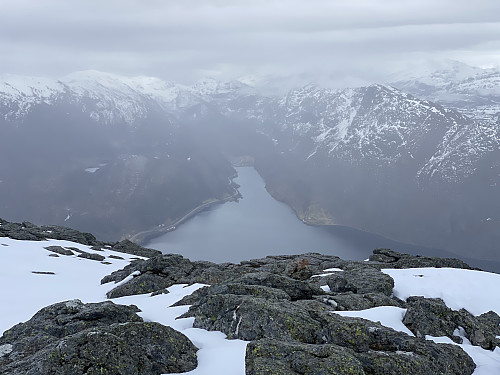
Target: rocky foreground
[(286, 307)]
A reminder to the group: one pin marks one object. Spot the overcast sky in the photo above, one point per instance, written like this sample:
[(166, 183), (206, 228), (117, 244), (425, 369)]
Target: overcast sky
[(183, 40)]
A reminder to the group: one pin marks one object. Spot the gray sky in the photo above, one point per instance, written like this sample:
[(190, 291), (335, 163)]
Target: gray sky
[(329, 41)]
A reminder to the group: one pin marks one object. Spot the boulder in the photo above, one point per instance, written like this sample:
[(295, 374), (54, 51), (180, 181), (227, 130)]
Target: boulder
[(430, 316), (393, 259), (161, 271), (130, 247), (91, 256), (359, 279), (378, 349), (59, 250), (352, 301), (97, 338), (296, 289), (268, 356)]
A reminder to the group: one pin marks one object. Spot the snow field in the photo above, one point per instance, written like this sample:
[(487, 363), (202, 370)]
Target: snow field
[(63, 278)]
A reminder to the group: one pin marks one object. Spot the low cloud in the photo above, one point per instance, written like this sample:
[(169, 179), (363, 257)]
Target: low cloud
[(318, 40)]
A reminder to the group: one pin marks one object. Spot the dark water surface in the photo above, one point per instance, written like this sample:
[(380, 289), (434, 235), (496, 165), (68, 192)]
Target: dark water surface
[(258, 226)]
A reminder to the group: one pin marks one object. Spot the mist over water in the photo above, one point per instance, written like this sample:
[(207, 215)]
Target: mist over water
[(257, 226)]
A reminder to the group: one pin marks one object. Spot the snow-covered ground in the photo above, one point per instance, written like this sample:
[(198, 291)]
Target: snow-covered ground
[(23, 293), (62, 278)]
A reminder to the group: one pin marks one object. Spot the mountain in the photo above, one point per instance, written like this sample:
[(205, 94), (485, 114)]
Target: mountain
[(382, 160), (472, 90), (74, 304), (104, 153), (401, 164)]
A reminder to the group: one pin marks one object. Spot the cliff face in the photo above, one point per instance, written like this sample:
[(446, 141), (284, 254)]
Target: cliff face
[(308, 313)]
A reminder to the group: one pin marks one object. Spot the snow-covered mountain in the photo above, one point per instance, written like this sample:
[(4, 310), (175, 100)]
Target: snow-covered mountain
[(417, 145), (108, 98), (472, 90), (379, 125)]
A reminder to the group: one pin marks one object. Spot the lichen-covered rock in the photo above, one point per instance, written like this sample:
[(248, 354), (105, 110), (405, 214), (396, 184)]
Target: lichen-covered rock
[(352, 301), (129, 348), (309, 321), (99, 338), (296, 289), (430, 316), (288, 264), (361, 280), (129, 247), (252, 318), (393, 259), (299, 269), (268, 356), (160, 272), (482, 330), (237, 289), (141, 284), (438, 359)]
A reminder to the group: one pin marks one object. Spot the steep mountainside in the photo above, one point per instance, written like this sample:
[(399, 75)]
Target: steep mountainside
[(102, 153), (410, 166), (385, 161)]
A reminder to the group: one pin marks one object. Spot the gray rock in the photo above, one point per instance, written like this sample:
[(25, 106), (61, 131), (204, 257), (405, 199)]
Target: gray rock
[(91, 256), (59, 250), (482, 330), (361, 280), (352, 301), (430, 316), (393, 259), (162, 271), (309, 321), (296, 289), (130, 247), (268, 356), (100, 338), (236, 289), (285, 264), (142, 284)]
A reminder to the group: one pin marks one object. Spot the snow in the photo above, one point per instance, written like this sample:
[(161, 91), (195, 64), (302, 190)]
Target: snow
[(487, 362), (5, 349), (388, 316), (328, 272), (476, 291), (26, 292)]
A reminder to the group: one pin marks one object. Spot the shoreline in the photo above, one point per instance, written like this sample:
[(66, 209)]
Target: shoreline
[(142, 237)]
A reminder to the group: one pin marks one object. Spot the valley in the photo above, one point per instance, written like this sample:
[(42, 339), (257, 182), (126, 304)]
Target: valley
[(121, 156)]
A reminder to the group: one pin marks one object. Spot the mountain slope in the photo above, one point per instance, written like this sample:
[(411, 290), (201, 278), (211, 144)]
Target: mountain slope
[(103, 153), (375, 158)]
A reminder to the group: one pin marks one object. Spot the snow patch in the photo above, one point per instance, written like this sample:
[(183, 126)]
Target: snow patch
[(5, 349), (388, 316)]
